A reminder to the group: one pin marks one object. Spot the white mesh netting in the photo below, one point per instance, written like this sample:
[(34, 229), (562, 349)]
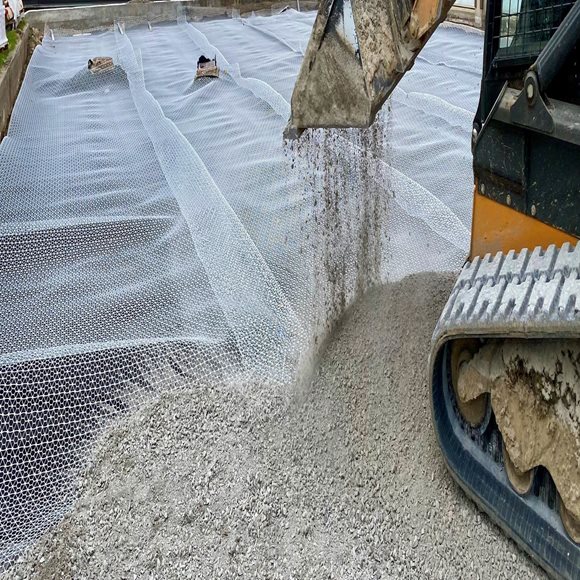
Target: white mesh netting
[(155, 226)]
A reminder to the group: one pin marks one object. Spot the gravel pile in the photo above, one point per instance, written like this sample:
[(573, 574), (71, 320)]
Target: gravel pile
[(343, 479)]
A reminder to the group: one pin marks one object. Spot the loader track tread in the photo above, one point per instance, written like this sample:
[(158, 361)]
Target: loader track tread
[(529, 294), (531, 291)]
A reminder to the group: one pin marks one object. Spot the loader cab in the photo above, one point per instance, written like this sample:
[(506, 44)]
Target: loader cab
[(526, 139), (516, 33)]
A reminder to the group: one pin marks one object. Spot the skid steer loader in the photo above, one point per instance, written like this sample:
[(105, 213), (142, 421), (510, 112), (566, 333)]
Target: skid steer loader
[(505, 362)]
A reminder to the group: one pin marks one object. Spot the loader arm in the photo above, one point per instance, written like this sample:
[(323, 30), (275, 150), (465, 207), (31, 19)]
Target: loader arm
[(357, 53)]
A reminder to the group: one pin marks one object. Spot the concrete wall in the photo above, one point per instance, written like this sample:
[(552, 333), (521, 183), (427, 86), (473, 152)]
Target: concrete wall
[(471, 16), (100, 16), (11, 76), (93, 17)]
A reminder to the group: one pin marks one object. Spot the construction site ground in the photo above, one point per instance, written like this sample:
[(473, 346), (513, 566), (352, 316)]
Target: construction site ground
[(214, 344), (343, 479)]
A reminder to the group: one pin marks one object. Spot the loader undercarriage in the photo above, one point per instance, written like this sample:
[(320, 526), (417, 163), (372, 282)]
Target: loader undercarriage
[(532, 388), (505, 386)]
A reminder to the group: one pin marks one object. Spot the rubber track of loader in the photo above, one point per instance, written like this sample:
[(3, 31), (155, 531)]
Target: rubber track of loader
[(530, 295)]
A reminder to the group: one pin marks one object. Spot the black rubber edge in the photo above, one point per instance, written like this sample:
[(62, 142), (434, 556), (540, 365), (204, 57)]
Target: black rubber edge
[(534, 526)]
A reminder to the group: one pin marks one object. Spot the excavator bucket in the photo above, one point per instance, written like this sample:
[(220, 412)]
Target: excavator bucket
[(357, 53)]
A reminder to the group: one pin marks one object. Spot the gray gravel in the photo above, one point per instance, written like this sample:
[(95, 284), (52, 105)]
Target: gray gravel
[(342, 479)]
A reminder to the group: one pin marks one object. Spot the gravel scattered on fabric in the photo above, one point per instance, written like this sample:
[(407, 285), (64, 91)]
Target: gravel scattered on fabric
[(340, 479)]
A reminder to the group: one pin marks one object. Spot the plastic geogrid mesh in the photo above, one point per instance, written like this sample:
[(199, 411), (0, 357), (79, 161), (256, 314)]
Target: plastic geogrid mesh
[(155, 230)]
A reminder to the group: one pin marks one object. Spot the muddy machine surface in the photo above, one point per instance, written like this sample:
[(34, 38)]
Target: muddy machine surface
[(505, 363)]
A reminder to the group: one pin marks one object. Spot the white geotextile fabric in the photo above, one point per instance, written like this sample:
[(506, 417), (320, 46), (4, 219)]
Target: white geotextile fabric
[(154, 226)]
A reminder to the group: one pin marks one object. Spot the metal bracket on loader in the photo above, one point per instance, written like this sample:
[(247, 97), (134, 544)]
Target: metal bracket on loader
[(530, 109)]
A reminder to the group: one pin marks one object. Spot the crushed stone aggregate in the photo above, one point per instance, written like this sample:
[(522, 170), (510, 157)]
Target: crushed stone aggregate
[(342, 478)]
